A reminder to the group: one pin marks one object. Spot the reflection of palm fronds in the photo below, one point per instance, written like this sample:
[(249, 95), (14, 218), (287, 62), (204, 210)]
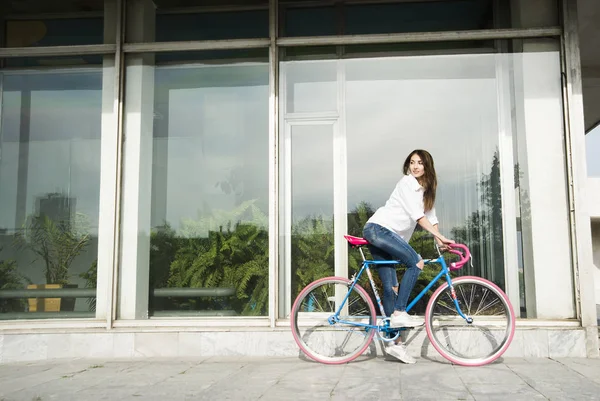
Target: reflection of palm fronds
[(91, 279), (229, 255), (312, 251), (11, 279), (358, 217), (56, 242)]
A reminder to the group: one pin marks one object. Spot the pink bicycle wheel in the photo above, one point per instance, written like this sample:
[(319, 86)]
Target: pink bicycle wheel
[(319, 335), (475, 343)]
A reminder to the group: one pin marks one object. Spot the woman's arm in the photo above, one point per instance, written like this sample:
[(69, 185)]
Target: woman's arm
[(433, 229)]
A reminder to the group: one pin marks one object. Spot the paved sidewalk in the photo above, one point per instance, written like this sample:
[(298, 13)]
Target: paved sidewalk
[(234, 378)]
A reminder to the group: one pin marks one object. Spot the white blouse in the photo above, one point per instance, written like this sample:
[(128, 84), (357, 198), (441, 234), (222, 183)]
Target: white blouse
[(404, 207)]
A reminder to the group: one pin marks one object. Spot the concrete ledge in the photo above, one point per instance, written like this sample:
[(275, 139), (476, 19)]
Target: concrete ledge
[(541, 342)]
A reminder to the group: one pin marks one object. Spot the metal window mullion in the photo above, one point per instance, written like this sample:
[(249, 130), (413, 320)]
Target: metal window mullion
[(273, 164), (287, 232), (569, 173), (232, 44), (111, 311), (312, 116), (54, 51), (415, 37)]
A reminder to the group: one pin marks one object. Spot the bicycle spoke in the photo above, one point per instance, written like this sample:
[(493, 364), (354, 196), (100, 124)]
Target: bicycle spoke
[(480, 341), (496, 301), (330, 342), (452, 310), (481, 301)]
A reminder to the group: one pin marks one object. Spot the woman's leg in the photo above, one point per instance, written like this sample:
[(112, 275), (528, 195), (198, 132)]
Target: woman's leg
[(409, 279), (400, 250), (387, 274)]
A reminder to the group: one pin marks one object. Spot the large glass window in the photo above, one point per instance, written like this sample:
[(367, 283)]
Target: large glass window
[(49, 191), (53, 23), (201, 134), (428, 103), (479, 115), (168, 21), (388, 17)]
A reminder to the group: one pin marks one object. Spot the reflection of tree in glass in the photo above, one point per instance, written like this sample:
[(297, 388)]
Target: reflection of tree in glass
[(312, 252), (230, 257), (482, 231), (164, 244), (226, 249), (230, 249), (56, 242), (11, 279)]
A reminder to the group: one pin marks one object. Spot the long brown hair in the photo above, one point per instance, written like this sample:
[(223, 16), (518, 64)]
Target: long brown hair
[(428, 180)]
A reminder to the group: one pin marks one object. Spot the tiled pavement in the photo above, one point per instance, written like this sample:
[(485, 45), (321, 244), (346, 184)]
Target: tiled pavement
[(235, 378)]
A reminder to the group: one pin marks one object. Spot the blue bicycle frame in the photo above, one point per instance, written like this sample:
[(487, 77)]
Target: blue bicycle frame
[(366, 263)]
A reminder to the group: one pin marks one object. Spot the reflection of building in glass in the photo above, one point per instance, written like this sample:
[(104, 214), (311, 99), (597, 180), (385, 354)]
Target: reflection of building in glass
[(58, 207)]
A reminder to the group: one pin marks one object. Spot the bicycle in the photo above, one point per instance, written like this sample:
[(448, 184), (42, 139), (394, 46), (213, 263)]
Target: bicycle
[(451, 321)]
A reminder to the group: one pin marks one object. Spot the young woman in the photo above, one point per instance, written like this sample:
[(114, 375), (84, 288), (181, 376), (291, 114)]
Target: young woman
[(389, 230)]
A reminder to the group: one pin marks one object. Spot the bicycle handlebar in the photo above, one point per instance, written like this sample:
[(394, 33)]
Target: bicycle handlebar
[(464, 258)]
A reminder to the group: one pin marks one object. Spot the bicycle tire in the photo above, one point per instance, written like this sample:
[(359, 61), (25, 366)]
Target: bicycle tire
[(460, 359), (314, 355)]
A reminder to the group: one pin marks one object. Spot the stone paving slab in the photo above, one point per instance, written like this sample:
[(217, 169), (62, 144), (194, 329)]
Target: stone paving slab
[(242, 378)]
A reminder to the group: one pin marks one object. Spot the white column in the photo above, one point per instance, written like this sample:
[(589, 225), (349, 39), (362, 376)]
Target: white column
[(580, 218), (340, 180), (541, 156), (137, 166), (108, 167), (509, 210)]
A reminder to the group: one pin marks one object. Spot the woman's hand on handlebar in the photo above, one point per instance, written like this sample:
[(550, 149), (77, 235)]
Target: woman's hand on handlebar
[(443, 243)]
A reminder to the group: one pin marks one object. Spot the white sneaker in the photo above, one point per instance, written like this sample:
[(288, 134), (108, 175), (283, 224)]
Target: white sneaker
[(399, 352), (403, 319)]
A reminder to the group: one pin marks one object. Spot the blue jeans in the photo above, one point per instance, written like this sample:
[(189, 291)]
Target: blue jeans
[(387, 245)]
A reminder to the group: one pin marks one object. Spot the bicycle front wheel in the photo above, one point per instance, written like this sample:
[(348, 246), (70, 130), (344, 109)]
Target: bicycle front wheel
[(327, 338), (474, 343)]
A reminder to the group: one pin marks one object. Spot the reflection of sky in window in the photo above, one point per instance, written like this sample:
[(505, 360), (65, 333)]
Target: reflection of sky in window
[(445, 104), (64, 140), (215, 146), (312, 171), (435, 115), (219, 132), (592, 144)]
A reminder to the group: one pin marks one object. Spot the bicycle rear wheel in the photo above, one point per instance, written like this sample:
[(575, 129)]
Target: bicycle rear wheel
[(483, 340), (323, 339)]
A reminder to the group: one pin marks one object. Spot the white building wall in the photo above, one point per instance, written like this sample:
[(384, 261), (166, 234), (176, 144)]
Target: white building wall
[(548, 272)]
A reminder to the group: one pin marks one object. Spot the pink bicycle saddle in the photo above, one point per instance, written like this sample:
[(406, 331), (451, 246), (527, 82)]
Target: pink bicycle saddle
[(356, 241)]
